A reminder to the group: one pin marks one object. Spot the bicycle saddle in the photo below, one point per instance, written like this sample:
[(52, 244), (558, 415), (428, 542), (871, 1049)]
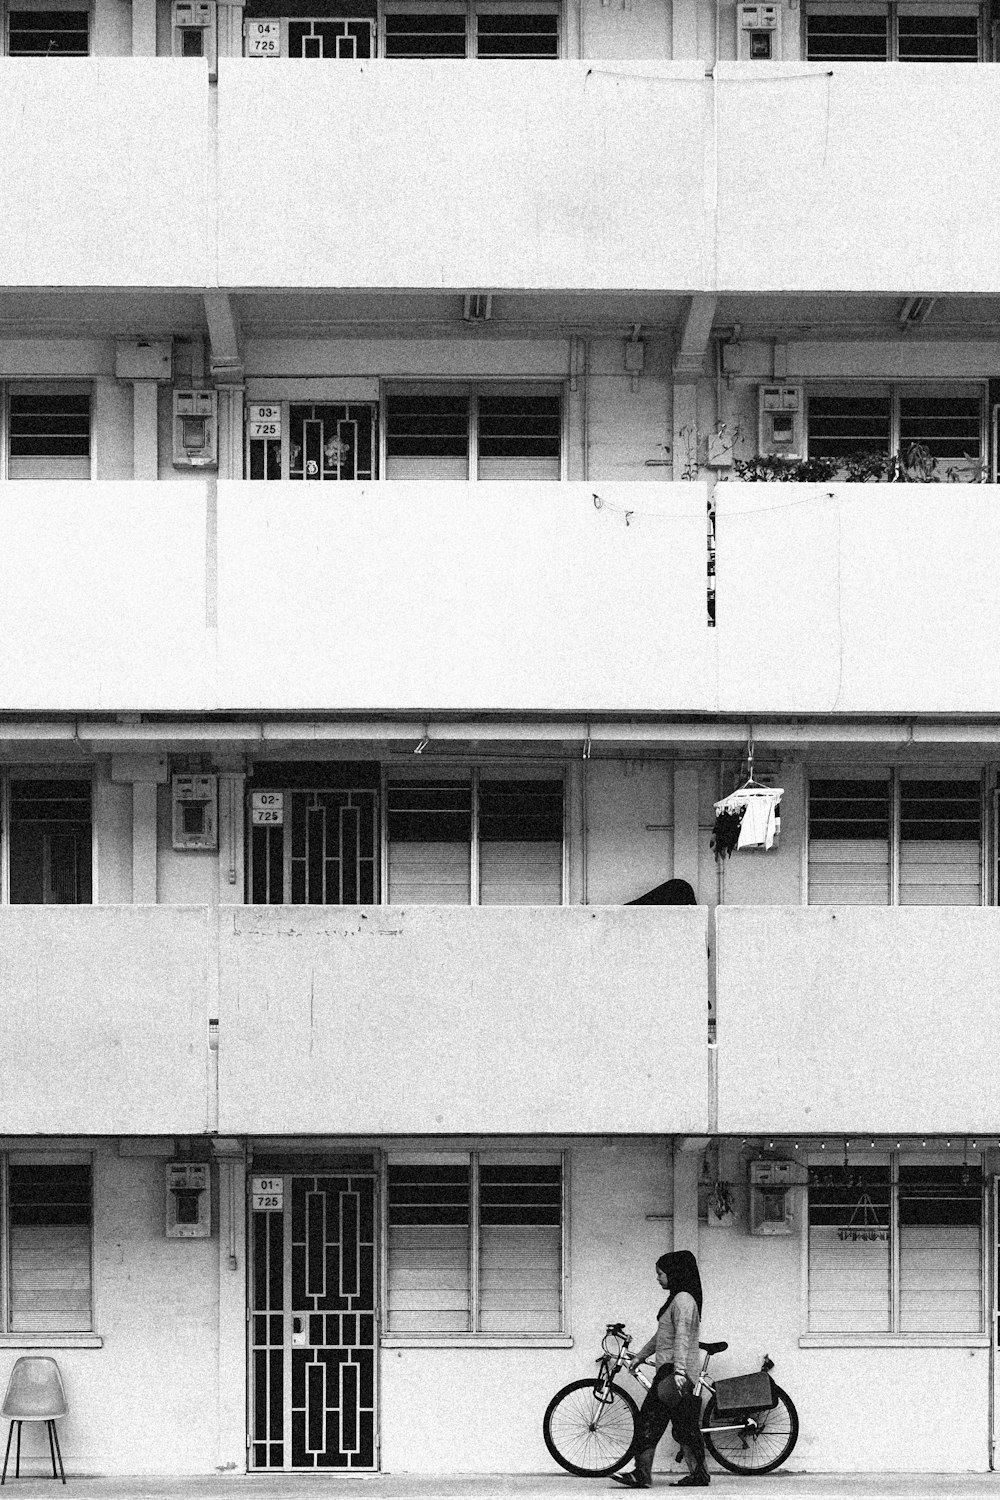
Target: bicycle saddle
[(713, 1348)]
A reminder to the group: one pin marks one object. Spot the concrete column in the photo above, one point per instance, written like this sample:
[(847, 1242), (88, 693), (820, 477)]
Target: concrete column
[(232, 1371), (145, 445), (686, 823), (231, 817), (144, 841), (687, 1163), (685, 435), (684, 40), (230, 431), (143, 28)]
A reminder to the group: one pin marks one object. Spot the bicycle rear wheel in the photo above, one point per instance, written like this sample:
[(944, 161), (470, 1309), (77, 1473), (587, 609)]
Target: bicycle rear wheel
[(760, 1448), (589, 1437)]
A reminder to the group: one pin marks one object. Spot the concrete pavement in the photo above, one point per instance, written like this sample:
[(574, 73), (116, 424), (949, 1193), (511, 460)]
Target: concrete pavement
[(785, 1485)]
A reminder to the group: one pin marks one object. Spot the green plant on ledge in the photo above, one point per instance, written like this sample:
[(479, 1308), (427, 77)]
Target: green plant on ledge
[(916, 466)]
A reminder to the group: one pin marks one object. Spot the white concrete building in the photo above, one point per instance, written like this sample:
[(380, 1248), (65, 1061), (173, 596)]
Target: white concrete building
[(387, 595)]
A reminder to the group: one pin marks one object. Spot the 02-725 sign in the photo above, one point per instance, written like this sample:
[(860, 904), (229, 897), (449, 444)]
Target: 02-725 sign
[(267, 807)]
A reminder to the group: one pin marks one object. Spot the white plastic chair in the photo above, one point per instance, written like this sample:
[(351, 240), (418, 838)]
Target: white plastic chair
[(34, 1394)]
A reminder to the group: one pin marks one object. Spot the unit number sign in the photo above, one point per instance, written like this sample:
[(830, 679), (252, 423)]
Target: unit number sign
[(264, 421), (263, 38), (268, 1192), (267, 807)]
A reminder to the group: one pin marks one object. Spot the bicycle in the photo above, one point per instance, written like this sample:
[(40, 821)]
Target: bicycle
[(591, 1426)]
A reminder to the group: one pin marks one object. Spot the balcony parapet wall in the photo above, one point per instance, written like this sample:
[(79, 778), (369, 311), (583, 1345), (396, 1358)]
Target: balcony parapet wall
[(853, 1019)]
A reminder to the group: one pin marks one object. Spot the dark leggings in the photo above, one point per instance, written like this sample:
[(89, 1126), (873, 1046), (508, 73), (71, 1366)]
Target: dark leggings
[(682, 1411)]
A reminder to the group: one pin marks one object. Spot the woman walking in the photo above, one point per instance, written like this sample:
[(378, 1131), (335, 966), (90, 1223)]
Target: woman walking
[(678, 1361)]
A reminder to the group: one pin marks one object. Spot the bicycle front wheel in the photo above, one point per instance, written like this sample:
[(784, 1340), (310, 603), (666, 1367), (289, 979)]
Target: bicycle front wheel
[(756, 1447), (589, 1437)]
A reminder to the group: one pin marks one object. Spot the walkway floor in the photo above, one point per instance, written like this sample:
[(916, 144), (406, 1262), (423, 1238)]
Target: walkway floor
[(553, 1486)]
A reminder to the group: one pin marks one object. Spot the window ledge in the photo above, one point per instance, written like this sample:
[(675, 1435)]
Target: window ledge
[(477, 1341), (51, 1341), (894, 1341)]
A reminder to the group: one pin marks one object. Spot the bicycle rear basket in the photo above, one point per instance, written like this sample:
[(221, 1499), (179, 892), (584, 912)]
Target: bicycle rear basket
[(746, 1393)]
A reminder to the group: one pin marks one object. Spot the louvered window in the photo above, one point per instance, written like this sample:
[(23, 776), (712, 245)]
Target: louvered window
[(49, 1236), (520, 842), (46, 31), (491, 29), (907, 31), (896, 1246), (496, 840), (895, 839), (510, 431), (945, 421), (48, 431), (475, 1243), (849, 841)]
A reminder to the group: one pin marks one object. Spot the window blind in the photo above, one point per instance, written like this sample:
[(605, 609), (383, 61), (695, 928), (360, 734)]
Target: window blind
[(939, 854), (429, 1238), (849, 842), (520, 1247), (520, 842), (430, 832), (50, 1273)]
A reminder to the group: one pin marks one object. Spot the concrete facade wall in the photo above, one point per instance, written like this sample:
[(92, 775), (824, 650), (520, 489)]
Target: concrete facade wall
[(70, 188), (470, 1019), (559, 144), (92, 994), (875, 1019)]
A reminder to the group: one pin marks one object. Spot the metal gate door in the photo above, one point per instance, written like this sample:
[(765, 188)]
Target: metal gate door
[(312, 1323)]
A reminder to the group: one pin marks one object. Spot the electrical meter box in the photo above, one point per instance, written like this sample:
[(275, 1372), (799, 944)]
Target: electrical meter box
[(781, 421), (758, 33), (193, 30), (771, 1197), (196, 429), (189, 1201), (194, 812)]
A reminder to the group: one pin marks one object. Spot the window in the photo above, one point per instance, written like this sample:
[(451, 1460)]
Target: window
[(49, 841), (48, 431), (48, 1210), (325, 441), (41, 30), (895, 839), (889, 420), (896, 1246), (907, 31), (485, 432), (485, 30), (480, 838), (475, 1243)]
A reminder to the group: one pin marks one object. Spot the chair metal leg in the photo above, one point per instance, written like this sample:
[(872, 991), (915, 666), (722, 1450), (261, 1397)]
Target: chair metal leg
[(10, 1434), (55, 1435), (17, 1466)]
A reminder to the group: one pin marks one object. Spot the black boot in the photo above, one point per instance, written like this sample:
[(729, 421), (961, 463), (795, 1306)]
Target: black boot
[(698, 1477)]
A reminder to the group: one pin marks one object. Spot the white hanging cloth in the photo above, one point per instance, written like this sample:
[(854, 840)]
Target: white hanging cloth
[(758, 808)]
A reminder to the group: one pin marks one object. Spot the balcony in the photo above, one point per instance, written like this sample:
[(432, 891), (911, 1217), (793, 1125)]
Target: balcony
[(103, 1026), (519, 596), (120, 620), (353, 1019), (108, 180), (462, 1019), (853, 1019), (893, 586), (856, 177), (535, 175)]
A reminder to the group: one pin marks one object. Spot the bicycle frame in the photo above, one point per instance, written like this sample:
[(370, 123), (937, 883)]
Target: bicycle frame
[(612, 1362)]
